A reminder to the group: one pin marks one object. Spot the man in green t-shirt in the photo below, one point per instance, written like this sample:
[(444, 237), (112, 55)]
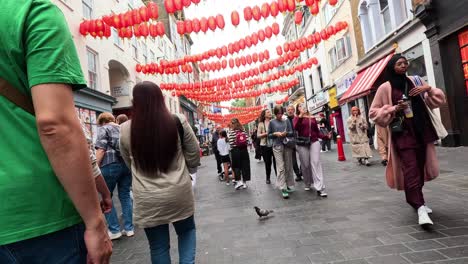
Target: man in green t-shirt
[(49, 207)]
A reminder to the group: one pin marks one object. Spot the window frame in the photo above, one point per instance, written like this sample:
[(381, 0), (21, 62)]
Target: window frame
[(134, 46), (93, 77), (87, 4)]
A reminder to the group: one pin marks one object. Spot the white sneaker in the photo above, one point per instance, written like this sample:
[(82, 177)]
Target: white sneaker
[(428, 210), (423, 217), (238, 185), (113, 236), (306, 188), (228, 183), (128, 233), (244, 186)]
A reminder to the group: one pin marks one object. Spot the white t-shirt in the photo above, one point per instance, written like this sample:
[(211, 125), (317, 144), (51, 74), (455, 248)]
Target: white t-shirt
[(223, 147)]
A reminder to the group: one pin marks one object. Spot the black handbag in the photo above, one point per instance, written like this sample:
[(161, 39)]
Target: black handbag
[(396, 126), (304, 141)]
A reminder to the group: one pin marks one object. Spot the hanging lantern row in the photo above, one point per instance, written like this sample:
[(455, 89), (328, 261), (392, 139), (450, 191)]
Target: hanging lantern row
[(309, 41), (154, 68), (95, 28), (234, 62), (231, 48), (223, 90), (282, 101), (239, 80), (235, 108), (226, 95), (173, 6), (200, 25), (225, 120)]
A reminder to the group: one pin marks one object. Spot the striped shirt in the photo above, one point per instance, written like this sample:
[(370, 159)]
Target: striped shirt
[(232, 137)]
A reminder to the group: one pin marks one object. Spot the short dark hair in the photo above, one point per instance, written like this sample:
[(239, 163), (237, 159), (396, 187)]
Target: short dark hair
[(278, 109), (223, 133)]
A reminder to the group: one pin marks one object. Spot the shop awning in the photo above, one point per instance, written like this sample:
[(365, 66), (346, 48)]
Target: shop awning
[(362, 85)]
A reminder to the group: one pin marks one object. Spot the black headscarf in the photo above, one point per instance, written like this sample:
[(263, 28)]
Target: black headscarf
[(399, 81)]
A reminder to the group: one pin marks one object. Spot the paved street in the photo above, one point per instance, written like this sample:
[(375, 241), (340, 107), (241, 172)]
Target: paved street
[(362, 221)]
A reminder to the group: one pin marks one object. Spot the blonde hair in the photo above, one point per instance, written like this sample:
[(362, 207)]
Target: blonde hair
[(105, 118)]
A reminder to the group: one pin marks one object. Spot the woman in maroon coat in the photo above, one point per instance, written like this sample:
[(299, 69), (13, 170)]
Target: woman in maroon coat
[(309, 155)]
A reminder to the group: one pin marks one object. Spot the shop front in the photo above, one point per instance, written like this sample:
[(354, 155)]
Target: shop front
[(89, 104)]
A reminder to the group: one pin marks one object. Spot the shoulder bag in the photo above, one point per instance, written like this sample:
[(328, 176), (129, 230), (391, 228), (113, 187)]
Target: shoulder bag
[(304, 141)]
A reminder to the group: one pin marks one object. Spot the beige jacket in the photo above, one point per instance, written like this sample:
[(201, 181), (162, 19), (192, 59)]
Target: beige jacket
[(163, 198), (357, 128)]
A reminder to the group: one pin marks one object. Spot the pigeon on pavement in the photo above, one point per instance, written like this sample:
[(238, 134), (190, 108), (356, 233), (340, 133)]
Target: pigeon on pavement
[(262, 212)]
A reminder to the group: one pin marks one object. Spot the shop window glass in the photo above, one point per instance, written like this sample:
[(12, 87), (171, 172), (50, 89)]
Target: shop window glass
[(463, 42)]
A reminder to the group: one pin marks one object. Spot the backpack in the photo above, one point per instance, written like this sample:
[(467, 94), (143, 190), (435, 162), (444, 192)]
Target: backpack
[(241, 139)]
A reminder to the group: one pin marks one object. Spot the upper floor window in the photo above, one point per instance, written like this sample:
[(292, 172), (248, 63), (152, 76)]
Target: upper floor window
[(115, 36), (87, 8), (92, 68), (305, 16), (328, 12), (343, 49), (134, 48), (152, 56), (379, 18), (145, 52)]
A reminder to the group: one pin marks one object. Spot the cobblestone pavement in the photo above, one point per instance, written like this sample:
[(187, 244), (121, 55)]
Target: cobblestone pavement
[(362, 220)]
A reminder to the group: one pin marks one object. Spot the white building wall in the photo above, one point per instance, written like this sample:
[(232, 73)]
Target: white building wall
[(107, 50)]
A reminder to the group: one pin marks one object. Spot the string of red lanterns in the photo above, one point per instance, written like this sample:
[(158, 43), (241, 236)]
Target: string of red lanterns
[(225, 120), (234, 62), (237, 108)]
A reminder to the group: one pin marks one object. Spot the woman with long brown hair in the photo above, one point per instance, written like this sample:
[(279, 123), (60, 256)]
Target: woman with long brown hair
[(266, 145), (160, 148), (240, 155)]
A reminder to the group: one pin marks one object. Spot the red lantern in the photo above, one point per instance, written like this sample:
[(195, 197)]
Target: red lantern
[(265, 10), (332, 2), (261, 57), (144, 30), (274, 9), (220, 21), (212, 23), (248, 59), (153, 30), (136, 17), (268, 32), (241, 44), (196, 1), (178, 5), (261, 35), (282, 5), (267, 55), (291, 5), (196, 25), (254, 38), (248, 14), (314, 60), (256, 13), (309, 2), (169, 5), (275, 28), (160, 29), (224, 51), (243, 61), (204, 24), (153, 10), (219, 53), (127, 19), (286, 47), (231, 63), (180, 27), (235, 18), (108, 20), (310, 40), (107, 31), (144, 15), (186, 3), (330, 30), (314, 9), (323, 34), (317, 37), (84, 27), (255, 58), (248, 41), (298, 17)]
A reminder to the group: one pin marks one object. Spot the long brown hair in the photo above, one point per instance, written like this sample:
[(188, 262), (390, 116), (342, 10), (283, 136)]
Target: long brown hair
[(153, 130), (236, 125)]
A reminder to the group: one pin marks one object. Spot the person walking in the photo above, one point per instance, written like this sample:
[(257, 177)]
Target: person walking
[(403, 105), (266, 146), (357, 127), (290, 113), (325, 139), (308, 147), (280, 131), (160, 148), (214, 147), (50, 211), (224, 148), (240, 161), (256, 144), (116, 174)]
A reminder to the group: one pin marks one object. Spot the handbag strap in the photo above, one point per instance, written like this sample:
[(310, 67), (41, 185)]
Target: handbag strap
[(310, 127), (15, 96)]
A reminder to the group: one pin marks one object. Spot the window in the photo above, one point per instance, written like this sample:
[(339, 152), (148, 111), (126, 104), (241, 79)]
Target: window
[(92, 69), (343, 49), (328, 12), (87, 8), (115, 36), (319, 70), (305, 16), (311, 85), (134, 48), (145, 52), (385, 12), (332, 56)]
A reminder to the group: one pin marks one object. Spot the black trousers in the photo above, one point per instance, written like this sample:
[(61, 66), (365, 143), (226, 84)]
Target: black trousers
[(240, 163), (296, 169), (326, 144), (268, 158), (218, 161)]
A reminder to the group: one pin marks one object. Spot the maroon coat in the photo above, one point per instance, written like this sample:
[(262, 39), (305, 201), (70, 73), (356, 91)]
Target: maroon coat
[(308, 126)]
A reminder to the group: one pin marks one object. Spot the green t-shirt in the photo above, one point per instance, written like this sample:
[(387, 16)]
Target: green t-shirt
[(36, 47)]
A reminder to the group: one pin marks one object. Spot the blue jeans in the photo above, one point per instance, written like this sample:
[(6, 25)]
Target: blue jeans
[(118, 174), (62, 247), (158, 238)]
